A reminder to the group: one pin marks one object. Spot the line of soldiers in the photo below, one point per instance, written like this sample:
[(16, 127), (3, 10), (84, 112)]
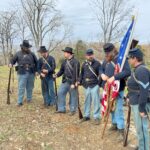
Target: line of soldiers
[(92, 76)]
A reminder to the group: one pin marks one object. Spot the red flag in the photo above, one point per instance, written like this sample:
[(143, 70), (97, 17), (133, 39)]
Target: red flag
[(111, 91)]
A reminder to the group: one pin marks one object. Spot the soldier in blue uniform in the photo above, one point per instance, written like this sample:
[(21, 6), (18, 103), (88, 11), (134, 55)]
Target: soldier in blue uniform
[(46, 69), (69, 71), (26, 69), (89, 79), (107, 74), (138, 94)]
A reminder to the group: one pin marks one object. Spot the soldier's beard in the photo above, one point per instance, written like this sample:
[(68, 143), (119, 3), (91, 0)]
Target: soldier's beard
[(45, 55), (27, 51), (90, 59), (109, 58)]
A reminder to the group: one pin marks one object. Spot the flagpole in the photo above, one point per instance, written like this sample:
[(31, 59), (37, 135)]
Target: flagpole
[(129, 43)]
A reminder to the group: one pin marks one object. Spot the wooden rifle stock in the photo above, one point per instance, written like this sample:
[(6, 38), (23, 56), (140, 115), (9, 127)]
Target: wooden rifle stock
[(79, 109), (126, 131), (8, 88)]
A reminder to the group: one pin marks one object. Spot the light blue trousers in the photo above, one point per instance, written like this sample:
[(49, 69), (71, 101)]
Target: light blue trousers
[(25, 84), (142, 125), (92, 94), (48, 93), (62, 92), (118, 114)]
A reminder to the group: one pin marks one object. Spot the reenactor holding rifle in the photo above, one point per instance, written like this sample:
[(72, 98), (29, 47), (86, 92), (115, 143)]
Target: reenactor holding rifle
[(46, 69), (26, 69), (69, 70), (138, 95)]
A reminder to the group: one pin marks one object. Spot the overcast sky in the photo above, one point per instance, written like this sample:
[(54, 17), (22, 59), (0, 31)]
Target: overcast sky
[(78, 13)]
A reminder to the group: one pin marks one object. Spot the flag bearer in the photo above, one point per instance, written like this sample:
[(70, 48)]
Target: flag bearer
[(107, 74)]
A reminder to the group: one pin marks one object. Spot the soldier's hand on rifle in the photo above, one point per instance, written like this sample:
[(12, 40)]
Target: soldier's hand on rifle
[(142, 114), (42, 75), (127, 99), (44, 70), (110, 80), (104, 77), (77, 84), (72, 86), (54, 76), (36, 74), (10, 65)]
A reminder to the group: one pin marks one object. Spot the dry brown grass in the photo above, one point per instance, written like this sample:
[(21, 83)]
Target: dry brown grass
[(32, 127)]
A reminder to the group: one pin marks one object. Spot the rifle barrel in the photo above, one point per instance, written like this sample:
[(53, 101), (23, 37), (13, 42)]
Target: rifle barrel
[(56, 94), (8, 89)]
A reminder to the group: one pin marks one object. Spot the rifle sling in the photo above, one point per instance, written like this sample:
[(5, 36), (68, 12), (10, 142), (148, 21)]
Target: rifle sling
[(92, 70), (69, 67), (46, 62)]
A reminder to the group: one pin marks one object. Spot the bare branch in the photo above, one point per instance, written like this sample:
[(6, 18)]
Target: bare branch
[(112, 17)]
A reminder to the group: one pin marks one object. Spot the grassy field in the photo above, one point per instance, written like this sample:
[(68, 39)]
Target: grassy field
[(33, 127)]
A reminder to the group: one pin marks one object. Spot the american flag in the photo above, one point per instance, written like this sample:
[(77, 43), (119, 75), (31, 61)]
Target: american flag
[(111, 91)]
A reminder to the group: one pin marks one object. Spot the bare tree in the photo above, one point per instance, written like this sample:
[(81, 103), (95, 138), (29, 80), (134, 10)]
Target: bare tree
[(21, 26), (7, 33), (43, 20), (112, 16), (58, 37)]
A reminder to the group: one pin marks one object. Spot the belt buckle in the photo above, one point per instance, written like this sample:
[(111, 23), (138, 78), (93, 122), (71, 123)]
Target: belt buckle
[(87, 79), (27, 67)]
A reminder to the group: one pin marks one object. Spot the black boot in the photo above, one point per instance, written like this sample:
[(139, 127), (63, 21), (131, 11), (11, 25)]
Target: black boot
[(85, 119), (113, 127), (121, 135)]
